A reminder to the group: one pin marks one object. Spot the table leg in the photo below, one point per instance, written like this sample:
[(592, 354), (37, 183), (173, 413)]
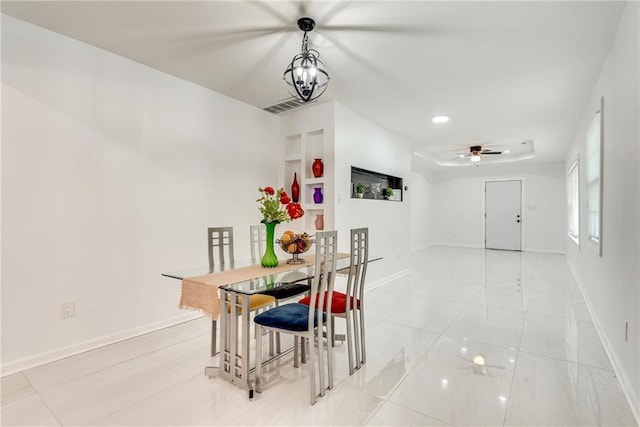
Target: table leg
[(246, 340), (225, 350), (233, 331)]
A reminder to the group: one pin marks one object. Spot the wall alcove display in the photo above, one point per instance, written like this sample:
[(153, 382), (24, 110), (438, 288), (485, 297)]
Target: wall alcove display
[(374, 183), (307, 159)]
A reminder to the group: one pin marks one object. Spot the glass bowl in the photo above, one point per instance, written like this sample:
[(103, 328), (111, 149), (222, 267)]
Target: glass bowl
[(295, 245)]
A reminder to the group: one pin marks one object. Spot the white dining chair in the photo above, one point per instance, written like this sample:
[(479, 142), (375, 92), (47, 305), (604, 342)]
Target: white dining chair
[(350, 304), (307, 322), (220, 242)]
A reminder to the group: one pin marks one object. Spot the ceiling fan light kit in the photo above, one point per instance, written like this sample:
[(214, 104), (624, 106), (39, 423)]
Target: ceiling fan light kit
[(306, 76), (476, 152)]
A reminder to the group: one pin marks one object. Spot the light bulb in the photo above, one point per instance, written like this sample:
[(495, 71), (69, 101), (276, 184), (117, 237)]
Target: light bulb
[(475, 158)]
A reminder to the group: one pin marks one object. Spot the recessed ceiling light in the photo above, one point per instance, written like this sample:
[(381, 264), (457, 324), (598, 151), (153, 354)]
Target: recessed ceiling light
[(440, 119)]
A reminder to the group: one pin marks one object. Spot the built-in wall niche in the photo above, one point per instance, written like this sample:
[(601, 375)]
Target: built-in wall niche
[(300, 152), (374, 184)]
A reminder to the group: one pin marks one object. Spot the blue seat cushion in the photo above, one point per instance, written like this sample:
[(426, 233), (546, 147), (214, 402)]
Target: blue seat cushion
[(290, 317)]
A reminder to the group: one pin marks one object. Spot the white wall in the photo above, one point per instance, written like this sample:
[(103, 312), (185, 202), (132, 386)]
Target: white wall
[(111, 173), (421, 208), (360, 142), (457, 205), (611, 283)]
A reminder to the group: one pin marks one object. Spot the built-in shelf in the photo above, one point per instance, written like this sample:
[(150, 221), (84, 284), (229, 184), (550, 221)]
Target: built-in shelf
[(300, 151), (314, 181)]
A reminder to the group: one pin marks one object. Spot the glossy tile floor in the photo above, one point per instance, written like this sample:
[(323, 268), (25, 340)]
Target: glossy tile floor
[(471, 337)]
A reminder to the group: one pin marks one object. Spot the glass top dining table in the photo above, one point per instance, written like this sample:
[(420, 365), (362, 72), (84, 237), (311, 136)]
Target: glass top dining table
[(236, 283), (248, 277)]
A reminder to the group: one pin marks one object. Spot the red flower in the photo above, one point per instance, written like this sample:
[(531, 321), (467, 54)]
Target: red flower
[(284, 198), (276, 206), (295, 210)]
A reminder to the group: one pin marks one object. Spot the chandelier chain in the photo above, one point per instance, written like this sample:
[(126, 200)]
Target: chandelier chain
[(305, 43)]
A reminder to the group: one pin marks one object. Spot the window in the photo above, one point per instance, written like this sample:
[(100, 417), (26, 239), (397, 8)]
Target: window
[(594, 176), (573, 202)]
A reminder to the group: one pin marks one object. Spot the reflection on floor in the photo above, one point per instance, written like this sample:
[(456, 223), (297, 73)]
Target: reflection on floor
[(471, 337)]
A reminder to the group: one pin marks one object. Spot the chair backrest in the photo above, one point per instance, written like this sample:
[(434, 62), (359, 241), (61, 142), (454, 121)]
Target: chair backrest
[(258, 235), (324, 277), (220, 246), (358, 265)]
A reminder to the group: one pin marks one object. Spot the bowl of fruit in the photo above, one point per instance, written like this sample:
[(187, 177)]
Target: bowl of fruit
[(295, 244)]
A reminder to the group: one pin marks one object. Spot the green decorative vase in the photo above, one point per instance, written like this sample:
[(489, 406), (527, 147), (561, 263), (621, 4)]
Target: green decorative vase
[(270, 260)]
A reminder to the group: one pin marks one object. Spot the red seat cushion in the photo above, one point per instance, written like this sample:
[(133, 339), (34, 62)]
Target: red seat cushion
[(338, 302)]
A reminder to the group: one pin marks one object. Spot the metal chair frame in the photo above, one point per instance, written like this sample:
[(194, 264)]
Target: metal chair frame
[(354, 316), (323, 281), (220, 244)]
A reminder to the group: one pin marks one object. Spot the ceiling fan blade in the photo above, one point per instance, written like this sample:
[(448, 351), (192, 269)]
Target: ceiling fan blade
[(335, 10), (270, 10), (491, 152), (212, 34), (399, 29)]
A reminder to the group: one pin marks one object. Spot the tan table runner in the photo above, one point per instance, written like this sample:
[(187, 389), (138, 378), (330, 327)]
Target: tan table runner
[(201, 292)]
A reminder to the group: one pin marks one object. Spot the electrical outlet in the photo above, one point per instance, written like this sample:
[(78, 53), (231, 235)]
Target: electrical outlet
[(67, 309)]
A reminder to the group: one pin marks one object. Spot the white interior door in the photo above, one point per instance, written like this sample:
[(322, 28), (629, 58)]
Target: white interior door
[(503, 216)]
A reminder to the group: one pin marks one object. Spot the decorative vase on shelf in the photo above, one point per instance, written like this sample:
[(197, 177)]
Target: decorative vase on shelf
[(317, 168), (317, 195), (295, 188), (269, 259), (320, 222)]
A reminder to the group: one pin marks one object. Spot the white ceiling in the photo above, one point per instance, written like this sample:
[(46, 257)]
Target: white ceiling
[(503, 71)]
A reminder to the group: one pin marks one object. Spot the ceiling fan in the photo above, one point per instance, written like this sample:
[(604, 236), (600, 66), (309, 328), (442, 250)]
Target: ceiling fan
[(476, 152)]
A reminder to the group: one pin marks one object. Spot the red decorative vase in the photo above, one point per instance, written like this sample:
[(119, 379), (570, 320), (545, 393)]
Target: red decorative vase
[(317, 168), (295, 188)]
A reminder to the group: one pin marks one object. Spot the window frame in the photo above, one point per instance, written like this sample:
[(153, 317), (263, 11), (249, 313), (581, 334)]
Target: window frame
[(573, 189), (595, 156)]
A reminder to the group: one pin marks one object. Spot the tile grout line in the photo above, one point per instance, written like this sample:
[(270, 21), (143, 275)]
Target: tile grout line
[(515, 365)]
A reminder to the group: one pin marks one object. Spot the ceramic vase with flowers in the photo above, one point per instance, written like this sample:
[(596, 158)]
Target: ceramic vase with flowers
[(275, 207)]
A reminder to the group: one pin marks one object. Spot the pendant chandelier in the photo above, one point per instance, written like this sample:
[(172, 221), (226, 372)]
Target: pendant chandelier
[(305, 76)]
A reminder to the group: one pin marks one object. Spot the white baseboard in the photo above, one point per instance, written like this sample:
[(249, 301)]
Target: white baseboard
[(544, 251), (627, 387), (452, 245), (388, 279), (81, 347)]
